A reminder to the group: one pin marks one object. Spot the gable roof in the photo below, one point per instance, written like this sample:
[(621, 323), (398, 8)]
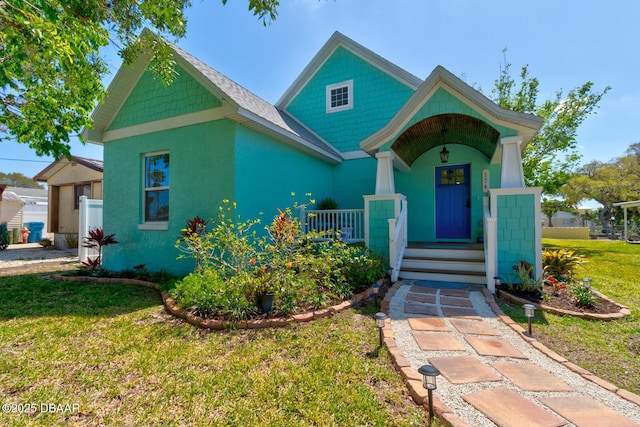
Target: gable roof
[(239, 105), (27, 193), (340, 40), (525, 124), (55, 167), (10, 197)]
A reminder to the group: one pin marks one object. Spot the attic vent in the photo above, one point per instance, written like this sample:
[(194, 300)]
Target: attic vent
[(340, 96)]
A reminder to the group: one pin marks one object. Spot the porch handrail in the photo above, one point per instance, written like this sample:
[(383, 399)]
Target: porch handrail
[(490, 243), (349, 222), (397, 240)]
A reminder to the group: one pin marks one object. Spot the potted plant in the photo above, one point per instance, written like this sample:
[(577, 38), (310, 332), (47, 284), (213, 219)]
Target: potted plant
[(264, 289), (327, 203), (327, 222), (480, 236), (266, 302)]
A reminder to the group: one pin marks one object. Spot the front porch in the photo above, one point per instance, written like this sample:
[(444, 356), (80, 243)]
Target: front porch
[(438, 261), (511, 228)]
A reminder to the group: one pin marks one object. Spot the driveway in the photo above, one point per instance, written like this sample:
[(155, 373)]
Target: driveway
[(33, 258)]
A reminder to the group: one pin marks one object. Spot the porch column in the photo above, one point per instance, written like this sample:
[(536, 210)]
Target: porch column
[(384, 173), (626, 234), (518, 230), (512, 173)]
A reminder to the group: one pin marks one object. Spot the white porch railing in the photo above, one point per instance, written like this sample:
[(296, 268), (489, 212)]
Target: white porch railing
[(349, 222), (397, 240)]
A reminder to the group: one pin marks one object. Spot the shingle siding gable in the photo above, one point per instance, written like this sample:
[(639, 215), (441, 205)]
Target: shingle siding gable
[(377, 96), (150, 100), (443, 102)]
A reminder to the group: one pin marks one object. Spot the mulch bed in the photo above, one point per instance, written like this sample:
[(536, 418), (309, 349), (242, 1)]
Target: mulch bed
[(562, 301)]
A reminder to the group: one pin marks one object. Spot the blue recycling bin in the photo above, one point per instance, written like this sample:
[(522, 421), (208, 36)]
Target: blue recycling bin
[(35, 231)]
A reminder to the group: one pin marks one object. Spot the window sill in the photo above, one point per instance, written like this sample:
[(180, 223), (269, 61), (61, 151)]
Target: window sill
[(154, 226)]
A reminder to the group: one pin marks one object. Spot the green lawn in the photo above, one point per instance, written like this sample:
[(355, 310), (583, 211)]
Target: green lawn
[(113, 355), (611, 350), (112, 352)]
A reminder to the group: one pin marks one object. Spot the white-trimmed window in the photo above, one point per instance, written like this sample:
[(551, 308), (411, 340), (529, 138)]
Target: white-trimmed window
[(340, 96), (156, 187), (80, 190)]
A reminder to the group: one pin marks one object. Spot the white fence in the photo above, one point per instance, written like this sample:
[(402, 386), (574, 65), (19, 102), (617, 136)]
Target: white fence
[(90, 219), (349, 222)]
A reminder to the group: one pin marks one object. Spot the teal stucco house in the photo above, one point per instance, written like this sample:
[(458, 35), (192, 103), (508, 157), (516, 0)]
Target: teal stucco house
[(420, 168)]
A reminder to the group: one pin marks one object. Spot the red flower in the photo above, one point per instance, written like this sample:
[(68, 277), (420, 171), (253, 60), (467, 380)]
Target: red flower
[(252, 261)]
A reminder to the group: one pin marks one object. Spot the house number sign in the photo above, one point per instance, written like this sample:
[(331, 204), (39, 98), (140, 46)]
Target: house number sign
[(485, 180)]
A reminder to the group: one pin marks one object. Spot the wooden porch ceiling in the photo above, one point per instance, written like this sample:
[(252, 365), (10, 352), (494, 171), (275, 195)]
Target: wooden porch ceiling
[(461, 129)]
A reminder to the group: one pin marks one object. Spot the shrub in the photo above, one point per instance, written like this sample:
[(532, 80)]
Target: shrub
[(235, 267), (46, 243), (71, 241), (208, 294), (561, 263), (363, 270), (583, 296), (229, 246), (524, 280), (555, 283), (97, 239)]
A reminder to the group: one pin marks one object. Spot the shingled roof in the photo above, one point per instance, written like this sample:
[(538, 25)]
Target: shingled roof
[(246, 107), (46, 173), (252, 107)]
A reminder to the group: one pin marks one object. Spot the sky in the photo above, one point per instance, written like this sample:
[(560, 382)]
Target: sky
[(564, 43)]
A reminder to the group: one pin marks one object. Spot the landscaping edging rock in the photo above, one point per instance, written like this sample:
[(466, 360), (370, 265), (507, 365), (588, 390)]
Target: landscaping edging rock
[(625, 394), (623, 311), (201, 322), (275, 322)]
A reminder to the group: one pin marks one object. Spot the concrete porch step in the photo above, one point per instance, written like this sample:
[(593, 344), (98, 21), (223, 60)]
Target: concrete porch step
[(443, 276), (463, 263), (445, 264), (445, 253)]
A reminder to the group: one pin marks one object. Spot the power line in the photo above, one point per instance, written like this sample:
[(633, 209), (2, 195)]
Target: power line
[(26, 160)]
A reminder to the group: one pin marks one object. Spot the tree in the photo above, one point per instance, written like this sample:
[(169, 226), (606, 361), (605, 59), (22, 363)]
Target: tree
[(607, 183), (551, 156), (51, 64), (18, 180), (552, 206)]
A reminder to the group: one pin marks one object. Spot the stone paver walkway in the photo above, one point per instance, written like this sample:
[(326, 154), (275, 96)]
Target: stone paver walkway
[(492, 372)]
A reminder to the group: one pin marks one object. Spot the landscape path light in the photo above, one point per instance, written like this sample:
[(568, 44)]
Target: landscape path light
[(380, 319), (429, 374), (498, 281), (389, 272), (587, 282), (528, 311), (376, 292)]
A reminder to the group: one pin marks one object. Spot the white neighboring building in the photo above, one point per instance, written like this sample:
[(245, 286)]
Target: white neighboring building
[(10, 208), (36, 203), (568, 219)]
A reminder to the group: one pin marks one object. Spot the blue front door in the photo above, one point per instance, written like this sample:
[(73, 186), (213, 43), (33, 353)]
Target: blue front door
[(453, 202)]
